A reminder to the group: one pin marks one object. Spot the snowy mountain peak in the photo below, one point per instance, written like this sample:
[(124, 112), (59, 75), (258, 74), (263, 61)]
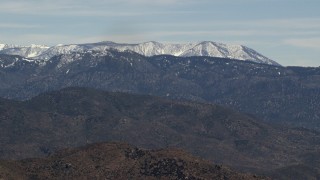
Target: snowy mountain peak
[(38, 46), (6, 46), (26, 51), (150, 48), (2, 46)]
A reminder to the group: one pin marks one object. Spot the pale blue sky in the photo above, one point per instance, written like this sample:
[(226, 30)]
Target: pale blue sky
[(287, 31)]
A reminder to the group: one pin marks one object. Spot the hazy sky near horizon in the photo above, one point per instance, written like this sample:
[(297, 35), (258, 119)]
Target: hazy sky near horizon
[(287, 31)]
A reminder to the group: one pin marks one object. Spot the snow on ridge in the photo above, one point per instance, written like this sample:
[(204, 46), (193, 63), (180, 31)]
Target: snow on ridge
[(26, 51), (2, 46), (151, 48)]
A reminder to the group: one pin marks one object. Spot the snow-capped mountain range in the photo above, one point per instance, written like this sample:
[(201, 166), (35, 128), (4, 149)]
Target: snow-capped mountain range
[(205, 48)]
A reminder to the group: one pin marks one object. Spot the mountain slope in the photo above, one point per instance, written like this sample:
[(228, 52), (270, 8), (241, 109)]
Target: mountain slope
[(79, 116), (276, 94), (118, 161)]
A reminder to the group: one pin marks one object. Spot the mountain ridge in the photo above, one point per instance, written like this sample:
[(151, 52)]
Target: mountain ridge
[(151, 48), (118, 161)]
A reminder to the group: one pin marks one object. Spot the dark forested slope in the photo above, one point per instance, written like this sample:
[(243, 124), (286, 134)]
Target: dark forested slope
[(75, 116), (277, 94)]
